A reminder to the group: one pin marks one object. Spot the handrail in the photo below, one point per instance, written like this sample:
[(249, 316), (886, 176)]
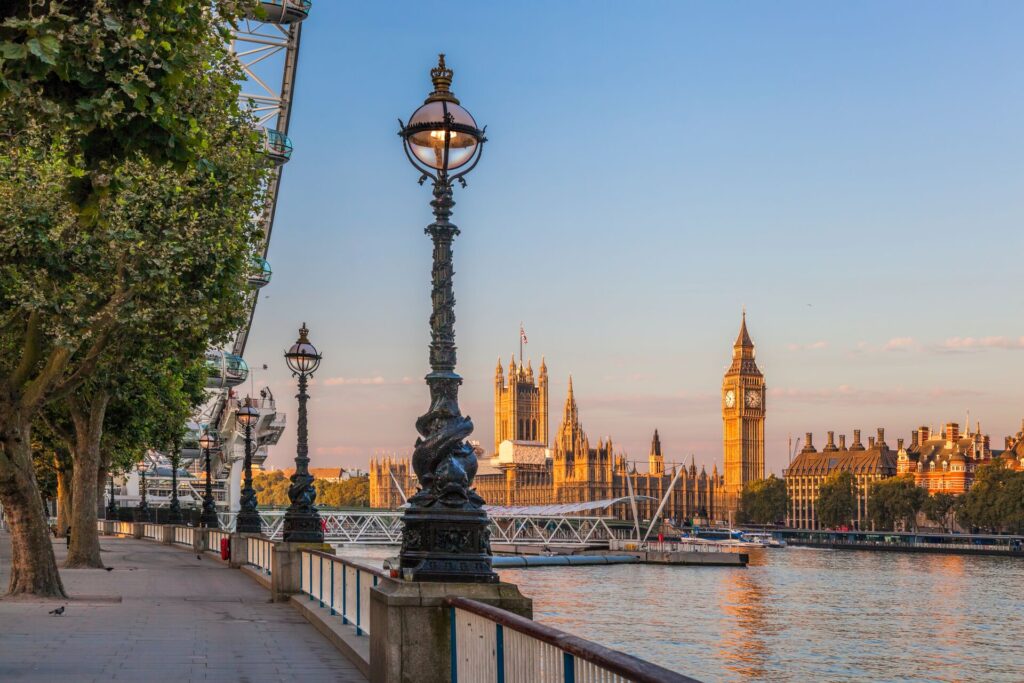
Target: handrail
[(613, 661), (343, 586)]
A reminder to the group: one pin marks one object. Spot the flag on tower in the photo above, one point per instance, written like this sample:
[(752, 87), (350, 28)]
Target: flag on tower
[(522, 334)]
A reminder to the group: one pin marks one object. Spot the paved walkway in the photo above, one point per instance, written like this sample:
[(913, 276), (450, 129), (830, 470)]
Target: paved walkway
[(160, 615)]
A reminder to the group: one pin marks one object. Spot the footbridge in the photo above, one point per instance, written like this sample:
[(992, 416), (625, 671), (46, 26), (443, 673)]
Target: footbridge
[(384, 527)]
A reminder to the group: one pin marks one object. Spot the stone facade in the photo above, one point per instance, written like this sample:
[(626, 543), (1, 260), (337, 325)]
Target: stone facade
[(743, 414), (810, 468), (525, 472), (520, 404)]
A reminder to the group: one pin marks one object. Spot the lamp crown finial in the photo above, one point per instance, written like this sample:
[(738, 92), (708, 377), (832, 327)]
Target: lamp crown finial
[(304, 334), (441, 75)]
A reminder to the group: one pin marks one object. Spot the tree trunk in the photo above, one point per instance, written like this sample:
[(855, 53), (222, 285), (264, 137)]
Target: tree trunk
[(101, 485), (33, 565), (85, 538), (62, 462)]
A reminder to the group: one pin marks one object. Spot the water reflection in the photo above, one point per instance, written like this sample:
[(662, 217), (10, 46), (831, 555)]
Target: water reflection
[(797, 615)]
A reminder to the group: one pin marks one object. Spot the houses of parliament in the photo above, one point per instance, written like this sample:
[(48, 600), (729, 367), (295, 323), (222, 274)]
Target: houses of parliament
[(527, 469)]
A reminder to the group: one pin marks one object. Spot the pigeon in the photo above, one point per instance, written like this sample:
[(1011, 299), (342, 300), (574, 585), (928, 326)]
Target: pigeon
[(109, 569), (199, 557), (59, 611)]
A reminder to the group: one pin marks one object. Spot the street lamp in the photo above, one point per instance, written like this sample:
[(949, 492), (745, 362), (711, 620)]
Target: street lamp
[(143, 505), (174, 509), (208, 519), (445, 535), (112, 504), (248, 520), (301, 520)]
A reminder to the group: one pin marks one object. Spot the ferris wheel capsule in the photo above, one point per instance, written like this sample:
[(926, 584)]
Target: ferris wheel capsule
[(282, 11), (224, 369)]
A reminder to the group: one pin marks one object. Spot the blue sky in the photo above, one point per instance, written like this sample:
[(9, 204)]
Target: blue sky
[(853, 174)]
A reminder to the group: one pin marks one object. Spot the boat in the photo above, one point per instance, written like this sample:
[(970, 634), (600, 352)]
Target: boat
[(766, 538), (731, 538)]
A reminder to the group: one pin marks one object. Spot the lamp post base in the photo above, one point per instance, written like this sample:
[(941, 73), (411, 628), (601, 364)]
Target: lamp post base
[(302, 527), (446, 545), (248, 522)]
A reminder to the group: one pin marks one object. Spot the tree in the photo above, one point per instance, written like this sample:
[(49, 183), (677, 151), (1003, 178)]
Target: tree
[(939, 507), (837, 500), (111, 74), (171, 254), (271, 488), (896, 500), (764, 501), (996, 500)]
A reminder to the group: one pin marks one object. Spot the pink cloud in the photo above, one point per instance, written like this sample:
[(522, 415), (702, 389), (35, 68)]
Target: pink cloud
[(901, 344), (976, 343), (365, 381)]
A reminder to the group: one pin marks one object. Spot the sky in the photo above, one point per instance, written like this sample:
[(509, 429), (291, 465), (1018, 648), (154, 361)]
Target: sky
[(852, 174)]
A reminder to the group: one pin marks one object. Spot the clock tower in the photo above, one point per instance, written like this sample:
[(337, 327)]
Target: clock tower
[(743, 399)]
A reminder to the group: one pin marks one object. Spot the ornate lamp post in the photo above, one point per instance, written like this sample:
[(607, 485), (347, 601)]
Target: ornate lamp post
[(248, 518), (174, 509), (143, 505), (208, 519), (445, 535), (112, 503), (302, 521)]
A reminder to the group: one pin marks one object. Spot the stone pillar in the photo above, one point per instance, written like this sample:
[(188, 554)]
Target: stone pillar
[(199, 540), (286, 568), (239, 549), (410, 637), (138, 530), (168, 533)]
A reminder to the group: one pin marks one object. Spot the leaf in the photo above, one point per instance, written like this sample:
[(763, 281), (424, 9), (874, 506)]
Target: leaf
[(13, 50)]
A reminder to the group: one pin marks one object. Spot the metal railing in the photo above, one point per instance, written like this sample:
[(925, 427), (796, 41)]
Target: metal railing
[(491, 644), (184, 535), (259, 552), (341, 585)]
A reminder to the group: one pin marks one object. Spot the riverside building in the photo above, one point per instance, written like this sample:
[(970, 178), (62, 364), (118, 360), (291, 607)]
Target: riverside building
[(811, 467), (526, 470)]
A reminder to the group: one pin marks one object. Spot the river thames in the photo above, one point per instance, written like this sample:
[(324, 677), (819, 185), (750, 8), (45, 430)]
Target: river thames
[(796, 614)]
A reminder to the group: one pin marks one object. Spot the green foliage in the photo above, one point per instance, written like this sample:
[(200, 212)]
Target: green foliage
[(996, 500), (764, 501), (114, 73), (272, 491), (939, 507), (895, 500), (837, 502)]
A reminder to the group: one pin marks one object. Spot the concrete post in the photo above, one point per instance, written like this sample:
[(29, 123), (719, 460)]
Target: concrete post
[(410, 626), (239, 550), (199, 541), (286, 568), (138, 530), (168, 533)]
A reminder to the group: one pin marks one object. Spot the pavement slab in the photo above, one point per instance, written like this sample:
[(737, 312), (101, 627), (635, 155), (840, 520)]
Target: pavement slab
[(160, 615)]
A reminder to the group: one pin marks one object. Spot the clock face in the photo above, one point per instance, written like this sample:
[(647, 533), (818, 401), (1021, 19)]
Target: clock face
[(753, 399), (730, 398)]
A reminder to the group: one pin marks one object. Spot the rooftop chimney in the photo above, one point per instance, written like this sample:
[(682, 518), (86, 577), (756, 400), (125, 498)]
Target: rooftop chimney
[(881, 437), (899, 444), (952, 432), (842, 442), (857, 445), (923, 434), (871, 442), (809, 443), (830, 446)]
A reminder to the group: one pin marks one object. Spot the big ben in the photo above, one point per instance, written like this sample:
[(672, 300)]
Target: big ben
[(743, 410)]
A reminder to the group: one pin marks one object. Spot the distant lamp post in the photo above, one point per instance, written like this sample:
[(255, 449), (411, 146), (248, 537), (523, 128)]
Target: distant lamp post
[(445, 535), (248, 520), (301, 520), (208, 519), (143, 505), (112, 503), (174, 509)]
